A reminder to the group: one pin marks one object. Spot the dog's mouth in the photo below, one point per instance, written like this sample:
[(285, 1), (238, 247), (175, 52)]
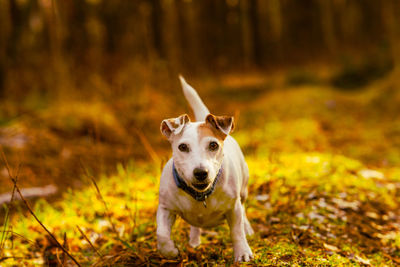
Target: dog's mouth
[(200, 186)]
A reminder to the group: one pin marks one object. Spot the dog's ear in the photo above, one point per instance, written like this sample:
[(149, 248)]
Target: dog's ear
[(174, 125), (224, 124)]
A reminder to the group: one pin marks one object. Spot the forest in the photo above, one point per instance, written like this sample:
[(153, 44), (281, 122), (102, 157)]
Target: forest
[(314, 89)]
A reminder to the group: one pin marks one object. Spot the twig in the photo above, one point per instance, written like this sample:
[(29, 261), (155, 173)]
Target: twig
[(147, 146), (22, 237), (61, 262), (107, 213), (44, 227), (65, 245), (7, 215), (16, 179), (5, 161), (90, 243), (34, 215), (9, 172), (100, 196), (3, 236)]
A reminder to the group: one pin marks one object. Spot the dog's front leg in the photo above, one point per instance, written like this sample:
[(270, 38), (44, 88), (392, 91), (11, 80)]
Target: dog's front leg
[(165, 221), (194, 237), (241, 249)]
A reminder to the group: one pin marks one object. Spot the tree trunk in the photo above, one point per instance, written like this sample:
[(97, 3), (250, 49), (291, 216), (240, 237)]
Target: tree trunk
[(328, 30), (156, 20), (4, 39), (255, 33), (247, 40), (391, 23)]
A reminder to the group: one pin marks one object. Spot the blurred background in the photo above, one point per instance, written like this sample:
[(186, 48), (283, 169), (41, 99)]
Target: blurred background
[(85, 84)]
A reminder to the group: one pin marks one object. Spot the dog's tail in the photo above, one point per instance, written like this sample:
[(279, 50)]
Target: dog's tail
[(200, 110)]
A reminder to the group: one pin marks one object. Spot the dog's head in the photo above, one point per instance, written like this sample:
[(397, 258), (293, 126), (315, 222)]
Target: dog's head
[(197, 147)]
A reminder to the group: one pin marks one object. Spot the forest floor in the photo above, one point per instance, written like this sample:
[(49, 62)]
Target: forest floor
[(324, 188)]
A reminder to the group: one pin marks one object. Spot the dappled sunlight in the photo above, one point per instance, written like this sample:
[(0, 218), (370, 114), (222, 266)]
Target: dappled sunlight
[(315, 95), (313, 199), (301, 205)]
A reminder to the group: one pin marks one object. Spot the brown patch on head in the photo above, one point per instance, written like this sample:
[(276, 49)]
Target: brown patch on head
[(222, 124), (206, 129), (174, 125)]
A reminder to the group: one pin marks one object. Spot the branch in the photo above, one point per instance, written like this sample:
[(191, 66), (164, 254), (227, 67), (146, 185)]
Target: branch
[(33, 214)]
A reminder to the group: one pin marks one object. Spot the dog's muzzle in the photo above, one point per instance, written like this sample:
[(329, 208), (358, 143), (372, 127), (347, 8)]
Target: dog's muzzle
[(200, 174), (200, 195)]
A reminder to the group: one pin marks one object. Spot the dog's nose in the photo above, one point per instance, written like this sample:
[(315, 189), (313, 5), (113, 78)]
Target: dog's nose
[(200, 174)]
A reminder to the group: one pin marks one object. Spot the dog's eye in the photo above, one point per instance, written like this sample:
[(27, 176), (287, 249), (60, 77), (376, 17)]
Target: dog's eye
[(213, 146), (183, 147)]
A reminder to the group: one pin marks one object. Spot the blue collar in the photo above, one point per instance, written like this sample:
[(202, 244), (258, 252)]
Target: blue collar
[(199, 196)]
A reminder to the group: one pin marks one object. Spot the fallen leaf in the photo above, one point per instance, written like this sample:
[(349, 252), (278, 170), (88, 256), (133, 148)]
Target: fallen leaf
[(368, 174), (362, 260), (372, 215), (343, 204), (331, 247), (262, 198)]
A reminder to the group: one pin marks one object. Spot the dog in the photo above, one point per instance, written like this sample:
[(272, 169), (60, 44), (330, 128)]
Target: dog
[(205, 181)]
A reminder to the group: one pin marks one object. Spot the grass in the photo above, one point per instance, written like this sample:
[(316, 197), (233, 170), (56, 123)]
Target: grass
[(306, 208), (324, 191)]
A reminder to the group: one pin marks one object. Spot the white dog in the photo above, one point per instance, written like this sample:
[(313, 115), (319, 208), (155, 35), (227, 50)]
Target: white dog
[(205, 181)]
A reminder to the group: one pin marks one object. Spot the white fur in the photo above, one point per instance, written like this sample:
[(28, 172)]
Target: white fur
[(199, 155), (200, 110), (223, 204)]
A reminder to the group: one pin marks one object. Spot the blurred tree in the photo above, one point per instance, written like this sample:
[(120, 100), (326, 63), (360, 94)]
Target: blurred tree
[(328, 25), (156, 19), (4, 36), (391, 13), (48, 40)]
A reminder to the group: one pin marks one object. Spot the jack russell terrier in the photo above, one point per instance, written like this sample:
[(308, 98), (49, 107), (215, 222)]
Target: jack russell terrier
[(205, 181)]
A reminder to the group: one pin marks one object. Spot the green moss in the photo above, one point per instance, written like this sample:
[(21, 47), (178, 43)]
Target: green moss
[(310, 201)]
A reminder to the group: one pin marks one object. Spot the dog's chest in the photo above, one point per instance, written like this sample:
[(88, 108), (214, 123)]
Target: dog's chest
[(204, 218), (196, 214)]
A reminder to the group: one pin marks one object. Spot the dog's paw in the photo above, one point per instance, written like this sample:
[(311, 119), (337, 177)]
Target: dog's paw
[(194, 237), (195, 242), (169, 253), (167, 249), (243, 255)]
